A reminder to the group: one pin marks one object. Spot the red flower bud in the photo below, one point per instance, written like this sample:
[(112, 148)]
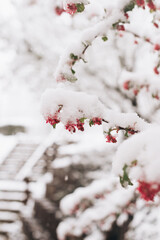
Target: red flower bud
[(71, 8), (135, 91), (120, 28), (97, 121), (148, 190), (157, 47), (59, 10), (140, 3), (156, 25), (156, 71), (151, 5), (126, 15), (126, 85), (70, 127), (52, 120), (80, 125), (111, 139)]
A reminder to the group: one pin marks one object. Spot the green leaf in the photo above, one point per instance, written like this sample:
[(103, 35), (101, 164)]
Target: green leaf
[(126, 133), (54, 126), (134, 163), (74, 57), (114, 25), (104, 38), (82, 119), (73, 71), (91, 123), (109, 131), (125, 180), (129, 6), (80, 7)]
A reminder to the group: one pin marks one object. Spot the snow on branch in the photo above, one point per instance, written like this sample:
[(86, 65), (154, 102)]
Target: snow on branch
[(73, 109), (133, 83), (75, 52), (115, 16), (94, 191), (140, 162)]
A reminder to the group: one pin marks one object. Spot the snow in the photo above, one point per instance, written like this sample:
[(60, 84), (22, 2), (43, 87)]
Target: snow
[(75, 105), (78, 48), (145, 148), (7, 143), (97, 187), (95, 235), (12, 185)]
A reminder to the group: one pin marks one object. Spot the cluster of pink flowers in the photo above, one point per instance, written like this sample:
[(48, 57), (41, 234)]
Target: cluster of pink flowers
[(110, 139), (150, 4), (126, 15), (97, 121), (148, 190), (80, 125), (71, 127), (140, 3), (120, 27), (52, 119), (131, 131), (71, 8)]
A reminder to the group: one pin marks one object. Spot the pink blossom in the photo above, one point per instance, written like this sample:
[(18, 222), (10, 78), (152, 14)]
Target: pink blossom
[(71, 8)]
